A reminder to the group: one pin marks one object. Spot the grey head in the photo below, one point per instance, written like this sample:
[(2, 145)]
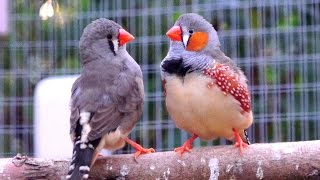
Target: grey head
[(191, 24), (194, 45), (102, 38)]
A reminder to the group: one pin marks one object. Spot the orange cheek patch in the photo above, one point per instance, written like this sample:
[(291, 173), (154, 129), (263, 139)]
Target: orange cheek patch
[(197, 41)]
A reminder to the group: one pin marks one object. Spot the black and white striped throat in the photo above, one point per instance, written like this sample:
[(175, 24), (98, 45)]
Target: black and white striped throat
[(113, 45)]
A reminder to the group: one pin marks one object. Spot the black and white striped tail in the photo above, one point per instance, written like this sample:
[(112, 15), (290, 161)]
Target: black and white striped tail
[(83, 149), (247, 137), (81, 159)]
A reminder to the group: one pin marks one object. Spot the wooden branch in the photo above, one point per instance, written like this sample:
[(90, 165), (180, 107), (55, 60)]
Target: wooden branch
[(293, 160)]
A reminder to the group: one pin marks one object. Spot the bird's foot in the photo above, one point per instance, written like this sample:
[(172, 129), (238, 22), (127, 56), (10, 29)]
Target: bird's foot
[(139, 149), (239, 142), (142, 150), (187, 146)]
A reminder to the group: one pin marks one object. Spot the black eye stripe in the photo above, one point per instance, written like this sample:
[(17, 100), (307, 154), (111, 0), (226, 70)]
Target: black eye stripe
[(109, 36), (111, 46)]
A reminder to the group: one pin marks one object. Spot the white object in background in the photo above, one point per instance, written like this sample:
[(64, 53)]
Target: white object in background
[(52, 113), (4, 19), (46, 10)]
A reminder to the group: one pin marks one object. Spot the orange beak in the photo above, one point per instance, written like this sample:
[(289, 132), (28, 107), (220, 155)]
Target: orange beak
[(124, 37), (175, 33)]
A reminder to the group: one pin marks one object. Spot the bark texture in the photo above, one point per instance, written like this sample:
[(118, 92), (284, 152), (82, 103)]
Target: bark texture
[(292, 160)]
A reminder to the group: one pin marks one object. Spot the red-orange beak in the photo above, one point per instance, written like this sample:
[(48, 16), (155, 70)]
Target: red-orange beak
[(175, 33), (124, 37)]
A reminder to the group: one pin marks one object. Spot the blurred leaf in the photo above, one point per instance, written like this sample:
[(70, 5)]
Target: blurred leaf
[(7, 86), (270, 75), (254, 19), (292, 21), (297, 78), (84, 5), (175, 16), (73, 63), (270, 130), (224, 26), (176, 2)]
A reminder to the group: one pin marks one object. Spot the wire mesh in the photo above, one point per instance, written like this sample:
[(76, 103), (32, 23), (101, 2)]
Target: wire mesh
[(276, 43)]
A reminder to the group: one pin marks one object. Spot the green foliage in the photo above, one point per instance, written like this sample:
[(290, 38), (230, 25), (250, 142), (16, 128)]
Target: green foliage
[(255, 23), (270, 75), (291, 20), (175, 16), (85, 5), (71, 63)]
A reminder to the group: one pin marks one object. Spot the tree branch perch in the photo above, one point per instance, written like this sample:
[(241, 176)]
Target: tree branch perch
[(292, 160)]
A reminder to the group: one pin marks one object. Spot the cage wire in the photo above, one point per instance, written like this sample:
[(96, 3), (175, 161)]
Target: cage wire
[(276, 43)]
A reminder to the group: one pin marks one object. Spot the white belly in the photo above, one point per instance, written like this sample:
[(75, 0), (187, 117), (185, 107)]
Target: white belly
[(204, 111), (113, 140)]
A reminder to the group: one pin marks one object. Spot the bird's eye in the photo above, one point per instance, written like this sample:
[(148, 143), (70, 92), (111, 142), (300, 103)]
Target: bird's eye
[(191, 31), (109, 36)]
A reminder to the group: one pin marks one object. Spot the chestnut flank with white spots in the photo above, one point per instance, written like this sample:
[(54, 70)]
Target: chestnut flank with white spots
[(229, 82)]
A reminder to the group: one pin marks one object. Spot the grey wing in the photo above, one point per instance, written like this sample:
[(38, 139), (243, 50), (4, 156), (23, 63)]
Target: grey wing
[(75, 113), (95, 101), (127, 97)]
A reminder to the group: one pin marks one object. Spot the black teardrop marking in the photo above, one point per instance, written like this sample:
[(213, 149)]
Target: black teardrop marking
[(111, 47)]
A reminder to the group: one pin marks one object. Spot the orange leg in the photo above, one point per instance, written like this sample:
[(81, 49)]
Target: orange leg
[(187, 146), (238, 141), (139, 149)]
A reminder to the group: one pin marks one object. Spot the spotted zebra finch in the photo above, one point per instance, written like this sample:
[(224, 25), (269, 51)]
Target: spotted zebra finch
[(206, 93)]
